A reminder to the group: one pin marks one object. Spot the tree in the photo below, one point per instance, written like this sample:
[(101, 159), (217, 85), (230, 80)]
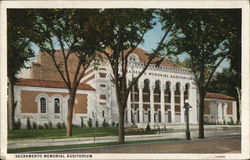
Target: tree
[(122, 31), (204, 36), (234, 25), (19, 52), (71, 31), (226, 83)]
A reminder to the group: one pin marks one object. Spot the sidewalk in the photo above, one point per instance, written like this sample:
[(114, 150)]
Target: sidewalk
[(176, 132)]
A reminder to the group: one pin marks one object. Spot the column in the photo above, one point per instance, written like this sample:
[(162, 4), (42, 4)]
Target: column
[(225, 112), (140, 103), (152, 104), (220, 112), (129, 109), (234, 109), (182, 89), (172, 104), (163, 87), (192, 97)]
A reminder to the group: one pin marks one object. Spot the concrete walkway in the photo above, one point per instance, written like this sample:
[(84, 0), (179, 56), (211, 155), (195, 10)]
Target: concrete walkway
[(175, 132)]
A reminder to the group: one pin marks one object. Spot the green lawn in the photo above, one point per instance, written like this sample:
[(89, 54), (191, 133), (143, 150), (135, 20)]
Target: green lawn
[(79, 146), (28, 134)]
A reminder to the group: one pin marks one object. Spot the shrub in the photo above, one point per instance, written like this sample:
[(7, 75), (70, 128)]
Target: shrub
[(63, 125), (105, 124), (58, 125), (40, 127), (34, 125), (148, 128), (76, 126), (17, 124), (82, 124), (28, 124), (90, 122), (224, 122), (50, 125), (231, 122), (97, 123), (113, 124), (46, 126)]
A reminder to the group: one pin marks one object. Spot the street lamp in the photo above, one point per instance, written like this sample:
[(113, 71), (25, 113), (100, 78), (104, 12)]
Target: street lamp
[(187, 106)]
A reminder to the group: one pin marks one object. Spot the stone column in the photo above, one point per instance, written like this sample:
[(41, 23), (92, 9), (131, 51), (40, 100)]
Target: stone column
[(50, 110), (234, 110), (140, 103), (129, 109), (172, 104), (152, 104), (225, 112), (182, 89), (163, 87), (192, 97), (220, 112)]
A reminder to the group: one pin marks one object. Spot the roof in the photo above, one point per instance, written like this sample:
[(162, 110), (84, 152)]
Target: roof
[(218, 96), (143, 56), (49, 84)]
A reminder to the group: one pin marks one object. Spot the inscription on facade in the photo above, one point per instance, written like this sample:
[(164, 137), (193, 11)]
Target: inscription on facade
[(163, 75)]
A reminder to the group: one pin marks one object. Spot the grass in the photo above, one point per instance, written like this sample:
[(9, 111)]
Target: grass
[(30, 134), (82, 146)]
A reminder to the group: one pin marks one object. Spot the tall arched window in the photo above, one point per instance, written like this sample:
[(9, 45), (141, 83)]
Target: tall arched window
[(43, 105), (57, 105)]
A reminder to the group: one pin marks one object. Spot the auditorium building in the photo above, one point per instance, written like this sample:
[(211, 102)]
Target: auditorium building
[(157, 99)]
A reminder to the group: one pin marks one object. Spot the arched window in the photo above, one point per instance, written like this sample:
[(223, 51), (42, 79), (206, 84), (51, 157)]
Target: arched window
[(57, 105), (43, 105)]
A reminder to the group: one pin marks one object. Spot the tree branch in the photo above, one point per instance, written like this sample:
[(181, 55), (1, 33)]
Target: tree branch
[(212, 73), (65, 59)]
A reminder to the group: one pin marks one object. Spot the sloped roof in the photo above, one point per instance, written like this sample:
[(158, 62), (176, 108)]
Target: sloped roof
[(49, 84), (142, 54), (218, 96), (143, 57)]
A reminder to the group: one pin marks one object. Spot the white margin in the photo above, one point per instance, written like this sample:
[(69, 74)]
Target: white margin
[(244, 4)]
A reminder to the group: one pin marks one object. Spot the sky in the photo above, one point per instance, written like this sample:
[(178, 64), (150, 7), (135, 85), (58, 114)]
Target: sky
[(153, 37)]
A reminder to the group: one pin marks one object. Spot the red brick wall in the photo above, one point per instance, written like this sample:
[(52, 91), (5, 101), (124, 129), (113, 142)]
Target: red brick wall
[(30, 106), (45, 69), (206, 107), (229, 108)]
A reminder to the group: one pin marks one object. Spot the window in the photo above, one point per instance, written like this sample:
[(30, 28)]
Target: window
[(102, 85), (104, 69), (43, 105), (57, 105), (102, 103), (103, 113), (102, 75), (103, 97), (133, 58)]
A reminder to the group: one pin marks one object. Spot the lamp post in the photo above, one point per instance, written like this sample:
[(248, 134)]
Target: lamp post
[(187, 106)]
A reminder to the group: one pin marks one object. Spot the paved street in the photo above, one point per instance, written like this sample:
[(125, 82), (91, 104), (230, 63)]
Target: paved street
[(222, 145)]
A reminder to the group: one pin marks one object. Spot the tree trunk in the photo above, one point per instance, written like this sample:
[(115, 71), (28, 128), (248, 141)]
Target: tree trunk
[(238, 110), (71, 103), (238, 105), (11, 106), (121, 126), (201, 115)]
